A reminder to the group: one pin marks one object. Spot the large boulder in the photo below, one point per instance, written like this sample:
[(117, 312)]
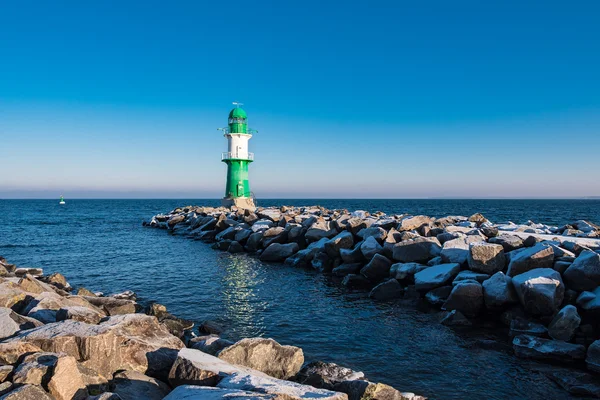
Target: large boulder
[(436, 276), (132, 385), (406, 271), (11, 323), (192, 392), (576, 382), (508, 242), (541, 291), (13, 296), (365, 390), (211, 344), (498, 291), (564, 323), (584, 272), (457, 250), (11, 352), (36, 369), (125, 342), (320, 229), (387, 290), (277, 252), (352, 256), (370, 247), (265, 355), (421, 249), (411, 223), (377, 269), (538, 256), (526, 346), (593, 357), (487, 258), (343, 240), (326, 375), (68, 382), (27, 392), (466, 297), (113, 306)]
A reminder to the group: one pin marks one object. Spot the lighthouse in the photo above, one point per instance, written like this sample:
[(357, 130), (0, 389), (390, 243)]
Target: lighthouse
[(238, 158)]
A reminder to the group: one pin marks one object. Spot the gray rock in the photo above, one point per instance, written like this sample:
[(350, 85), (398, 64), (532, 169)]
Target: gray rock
[(322, 262), (352, 256), (498, 291), (487, 258), (370, 247), (27, 392), (436, 276), (526, 346), (590, 301), (377, 269), (467, 275), (412, 223), (277, 252), (254, 242), (387, 290), (345, 269), (355, 281), (540, 291), (564, 323), (584, 273), (11, 323), (438, 296), (78, 313), (343, 240), (191, 392), (133, 385), (210, 344), (320, 229), (522, 326), (538, 256), (326, 375), (457, 250), (376, 232), (455, 318), (508, 242), (593, 357), (235, 247), (405, 271), (417, 250), (466, 297), (576, 382)]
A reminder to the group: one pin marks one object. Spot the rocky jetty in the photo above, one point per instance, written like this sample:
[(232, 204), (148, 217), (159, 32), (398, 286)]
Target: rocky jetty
[(63, 344), (541, 282)]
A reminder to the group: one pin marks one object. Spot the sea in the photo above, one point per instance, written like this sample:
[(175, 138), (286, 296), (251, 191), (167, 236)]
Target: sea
[(102, 245)]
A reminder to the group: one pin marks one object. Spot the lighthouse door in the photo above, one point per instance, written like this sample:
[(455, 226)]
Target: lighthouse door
[(240, 190)]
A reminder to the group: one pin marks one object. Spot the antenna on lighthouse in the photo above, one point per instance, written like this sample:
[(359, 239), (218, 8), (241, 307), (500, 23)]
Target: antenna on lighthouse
[(237, 104)]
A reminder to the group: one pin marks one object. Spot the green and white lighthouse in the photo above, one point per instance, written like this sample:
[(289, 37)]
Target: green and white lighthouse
[(237, 158)]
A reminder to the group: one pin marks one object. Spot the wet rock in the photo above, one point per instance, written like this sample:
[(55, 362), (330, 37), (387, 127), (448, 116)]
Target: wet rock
[(564, 323), (508, 242), (235, 247), (377, 269), (277, 252), (365, 390), (274, 235), (438, 296), (387, 290), (211, 344), (355, 281), (132, 341), (211, 328), (27, 392), (526, 346), (486, 258), (498, 291), (538, 256), (406, 271), (343, 240), (593, 357), (265, 355), (584, 273), (436, 276), (540, 291), (133, 385), (417, 250), (466, 297), (370, 247), (522, 326), (322, 262), (11, 323), (326, 375), (352, 256), (254, 242), (576, 382), (467, 275), (345, 269)]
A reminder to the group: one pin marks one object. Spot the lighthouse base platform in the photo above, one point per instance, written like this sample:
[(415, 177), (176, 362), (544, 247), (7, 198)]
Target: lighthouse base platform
[(244, 203)]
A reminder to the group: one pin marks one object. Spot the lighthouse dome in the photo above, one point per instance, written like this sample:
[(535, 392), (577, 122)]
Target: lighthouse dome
[(238, 113)]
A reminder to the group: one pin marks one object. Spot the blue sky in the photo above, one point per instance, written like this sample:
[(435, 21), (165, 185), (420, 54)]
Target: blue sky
[(351, 99)]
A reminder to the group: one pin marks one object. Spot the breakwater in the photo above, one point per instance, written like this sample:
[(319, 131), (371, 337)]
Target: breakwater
[(540, 281), (60, 343)]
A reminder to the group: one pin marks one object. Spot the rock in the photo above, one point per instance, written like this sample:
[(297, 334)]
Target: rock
[(584, 273), (576, 382), (355, 225), (436, 276), (59, 281), (320, 229), (466, 297), (455, 318), (78, 313), (457, 250), (274, 235), (508, 242), (412, 223), (387, 290), (277, 252), (352, 256), (190, 392), (67, 382), (265, 355), (438, 296), (30, 284), (538, 256), (326, 375), (235, 247), (590, 301), (405, 271), (489, 231), (85, 293), (282, 389), (269, 213), (254, 241), (365, 390), (242, 235), (343, 240), (522, 326), (377, 269), (12, 296), (486, 258), (561, 266), (11, 323), (467, 275), (593, 357), (370, 247), (355, 281), (345, 269), (5, 371), (5, 387), (498, 291), (417, 250), (211, 344), (376, 232), (322, 263), (211, 328), (113, 306), (11, 352), (133, 385), (479, 219), (526, 346), (35, 272), (36, 369), (131, 342), (27, 392), (564, 324), (540, 291)]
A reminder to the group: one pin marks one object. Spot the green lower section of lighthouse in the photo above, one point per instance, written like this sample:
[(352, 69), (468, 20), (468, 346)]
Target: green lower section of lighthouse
[(237, 178)]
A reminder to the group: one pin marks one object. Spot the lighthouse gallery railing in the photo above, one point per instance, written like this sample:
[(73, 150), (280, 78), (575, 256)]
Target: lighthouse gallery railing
[(235, 156)]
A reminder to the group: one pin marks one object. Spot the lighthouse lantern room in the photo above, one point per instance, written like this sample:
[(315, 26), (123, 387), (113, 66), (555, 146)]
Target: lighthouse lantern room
[(238, 158)]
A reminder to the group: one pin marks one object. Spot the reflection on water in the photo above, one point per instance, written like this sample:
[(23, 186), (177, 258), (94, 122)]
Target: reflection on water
[(101, 245)]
